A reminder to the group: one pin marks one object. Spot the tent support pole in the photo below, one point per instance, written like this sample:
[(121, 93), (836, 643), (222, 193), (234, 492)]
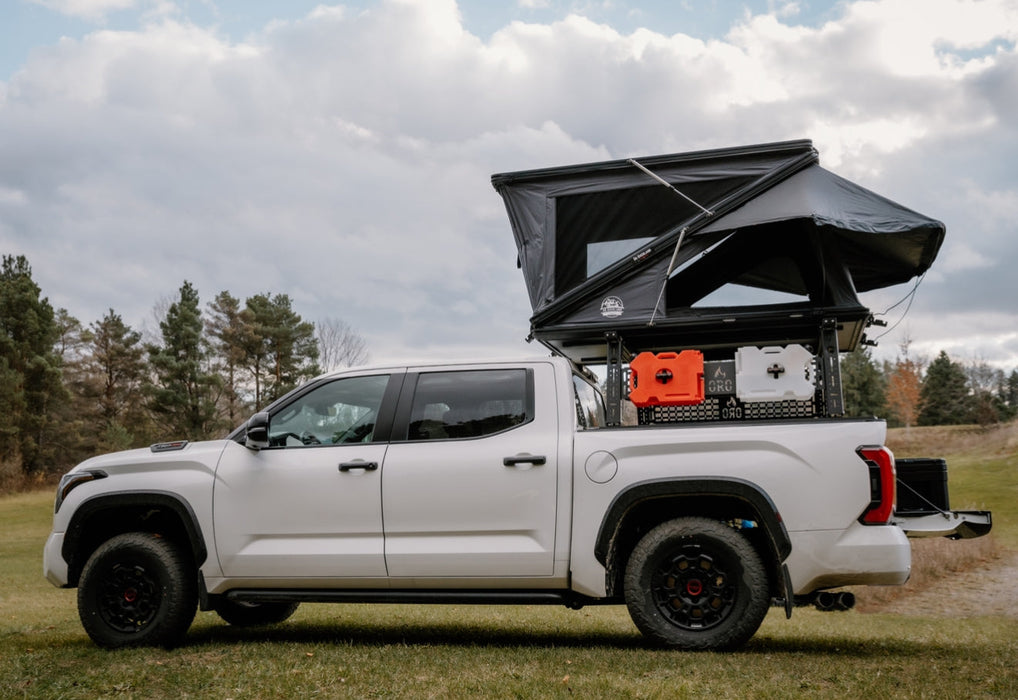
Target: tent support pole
[(830, 371), (682, 234), (613, 407), (672, 187), (671, 267)]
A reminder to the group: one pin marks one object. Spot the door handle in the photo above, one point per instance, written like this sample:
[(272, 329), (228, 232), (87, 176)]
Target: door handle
[(358, 464), (536, 460)]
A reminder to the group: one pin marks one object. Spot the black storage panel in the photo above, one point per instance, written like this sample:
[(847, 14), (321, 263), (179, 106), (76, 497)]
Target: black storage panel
[(922, 486)]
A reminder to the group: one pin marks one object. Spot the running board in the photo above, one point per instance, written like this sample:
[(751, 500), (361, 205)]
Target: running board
[(416, 597)]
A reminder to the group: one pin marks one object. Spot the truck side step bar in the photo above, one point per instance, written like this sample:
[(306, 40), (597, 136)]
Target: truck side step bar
[(416, 597)]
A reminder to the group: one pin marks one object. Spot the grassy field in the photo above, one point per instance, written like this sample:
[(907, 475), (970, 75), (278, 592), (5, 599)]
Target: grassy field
[(421, 651)]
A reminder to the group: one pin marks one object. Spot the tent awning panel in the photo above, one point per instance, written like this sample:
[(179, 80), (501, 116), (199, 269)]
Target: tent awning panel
[(595, 241)]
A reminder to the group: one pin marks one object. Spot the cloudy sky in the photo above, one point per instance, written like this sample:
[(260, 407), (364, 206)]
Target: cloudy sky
[(342, 154)]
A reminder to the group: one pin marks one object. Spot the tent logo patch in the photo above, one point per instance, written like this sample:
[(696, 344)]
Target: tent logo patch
[(612, 307)]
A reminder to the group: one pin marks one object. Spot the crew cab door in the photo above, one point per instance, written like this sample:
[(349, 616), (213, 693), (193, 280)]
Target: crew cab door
[(470, 480), (310, 504)]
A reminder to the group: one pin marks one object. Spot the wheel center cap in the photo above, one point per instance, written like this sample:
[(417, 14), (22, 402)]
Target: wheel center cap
[(694, 586)]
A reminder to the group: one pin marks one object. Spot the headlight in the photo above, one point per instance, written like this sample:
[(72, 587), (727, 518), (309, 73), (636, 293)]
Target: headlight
[(71, 480)]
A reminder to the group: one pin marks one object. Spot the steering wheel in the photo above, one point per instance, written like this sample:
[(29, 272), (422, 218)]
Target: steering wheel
[(358, 432), (282, 439)]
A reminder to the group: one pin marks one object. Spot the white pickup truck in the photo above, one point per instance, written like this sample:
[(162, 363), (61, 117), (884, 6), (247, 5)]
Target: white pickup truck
[(486, 482), (740, 484)]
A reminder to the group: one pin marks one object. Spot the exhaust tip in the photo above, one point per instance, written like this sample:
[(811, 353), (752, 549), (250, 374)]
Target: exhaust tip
[(836, 601)]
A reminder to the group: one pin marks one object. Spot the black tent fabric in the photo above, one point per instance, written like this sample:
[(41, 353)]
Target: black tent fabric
[(596, 245), (561, 216), (880, 242)]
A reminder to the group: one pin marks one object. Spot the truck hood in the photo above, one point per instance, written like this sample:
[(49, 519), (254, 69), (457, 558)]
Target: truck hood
[(203, 454)]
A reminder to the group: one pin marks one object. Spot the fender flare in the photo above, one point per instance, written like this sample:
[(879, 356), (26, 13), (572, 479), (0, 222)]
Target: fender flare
[(684, 487), (76, 529)]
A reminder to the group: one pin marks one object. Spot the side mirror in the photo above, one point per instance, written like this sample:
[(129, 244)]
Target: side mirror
[(256, 434)]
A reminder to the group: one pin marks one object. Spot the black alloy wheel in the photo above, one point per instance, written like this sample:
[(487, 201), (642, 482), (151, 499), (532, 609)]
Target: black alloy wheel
[(696, 584), (137, 589)]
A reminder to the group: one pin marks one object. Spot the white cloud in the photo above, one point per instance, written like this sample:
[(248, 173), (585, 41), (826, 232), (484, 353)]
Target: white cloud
[(784, 8), (917, 38), (344, 158), (967, 337), (86, 9), (11, 196)]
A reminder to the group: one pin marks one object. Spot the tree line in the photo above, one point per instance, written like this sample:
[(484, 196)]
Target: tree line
[(913, 391), (68, 391)]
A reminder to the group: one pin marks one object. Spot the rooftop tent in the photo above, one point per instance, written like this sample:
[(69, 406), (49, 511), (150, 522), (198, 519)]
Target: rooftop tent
[(596, 244)]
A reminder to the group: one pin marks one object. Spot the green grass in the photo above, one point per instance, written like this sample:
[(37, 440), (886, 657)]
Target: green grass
[(525, 652), (988, 483), (425, 651)]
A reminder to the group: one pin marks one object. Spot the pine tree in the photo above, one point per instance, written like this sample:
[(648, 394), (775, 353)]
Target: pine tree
[(287, 353), (1009, 394), (945, 397), (30, 379), (863, 385), (232, 335), (185, 391), (70, 344), (113, 382), (74, 435)]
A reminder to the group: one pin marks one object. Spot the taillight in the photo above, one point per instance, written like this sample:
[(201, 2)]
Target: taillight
[(883, 485)]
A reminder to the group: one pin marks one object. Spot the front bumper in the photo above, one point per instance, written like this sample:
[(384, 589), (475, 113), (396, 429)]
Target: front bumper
[(54, 568)]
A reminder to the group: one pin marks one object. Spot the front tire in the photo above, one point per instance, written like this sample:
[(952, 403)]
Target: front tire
[(696, 584), (243, 614), (137, 589)]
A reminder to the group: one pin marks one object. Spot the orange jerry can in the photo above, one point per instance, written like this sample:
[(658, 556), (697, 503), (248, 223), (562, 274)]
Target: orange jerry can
[(666, 379)]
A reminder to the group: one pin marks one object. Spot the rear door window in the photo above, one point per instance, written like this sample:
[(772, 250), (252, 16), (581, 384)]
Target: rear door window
[(470, 403)]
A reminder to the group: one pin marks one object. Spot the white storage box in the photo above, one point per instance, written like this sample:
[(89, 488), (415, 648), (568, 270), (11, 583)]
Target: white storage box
[(774, 374)]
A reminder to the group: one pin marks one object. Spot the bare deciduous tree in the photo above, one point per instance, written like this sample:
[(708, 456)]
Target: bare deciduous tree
[(339, 345)]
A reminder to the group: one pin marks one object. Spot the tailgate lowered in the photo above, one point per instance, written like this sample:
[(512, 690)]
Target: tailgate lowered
[(923, 509), (955, 524)]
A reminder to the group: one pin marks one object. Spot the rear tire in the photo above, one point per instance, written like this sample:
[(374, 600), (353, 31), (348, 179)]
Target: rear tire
[(137, 589), (696, 584), (243, 614)]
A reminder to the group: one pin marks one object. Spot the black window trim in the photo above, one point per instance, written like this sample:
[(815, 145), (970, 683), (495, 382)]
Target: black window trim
[(401, 426), (386, 410)]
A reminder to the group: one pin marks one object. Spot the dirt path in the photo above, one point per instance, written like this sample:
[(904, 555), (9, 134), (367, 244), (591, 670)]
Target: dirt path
[(991, 589)]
